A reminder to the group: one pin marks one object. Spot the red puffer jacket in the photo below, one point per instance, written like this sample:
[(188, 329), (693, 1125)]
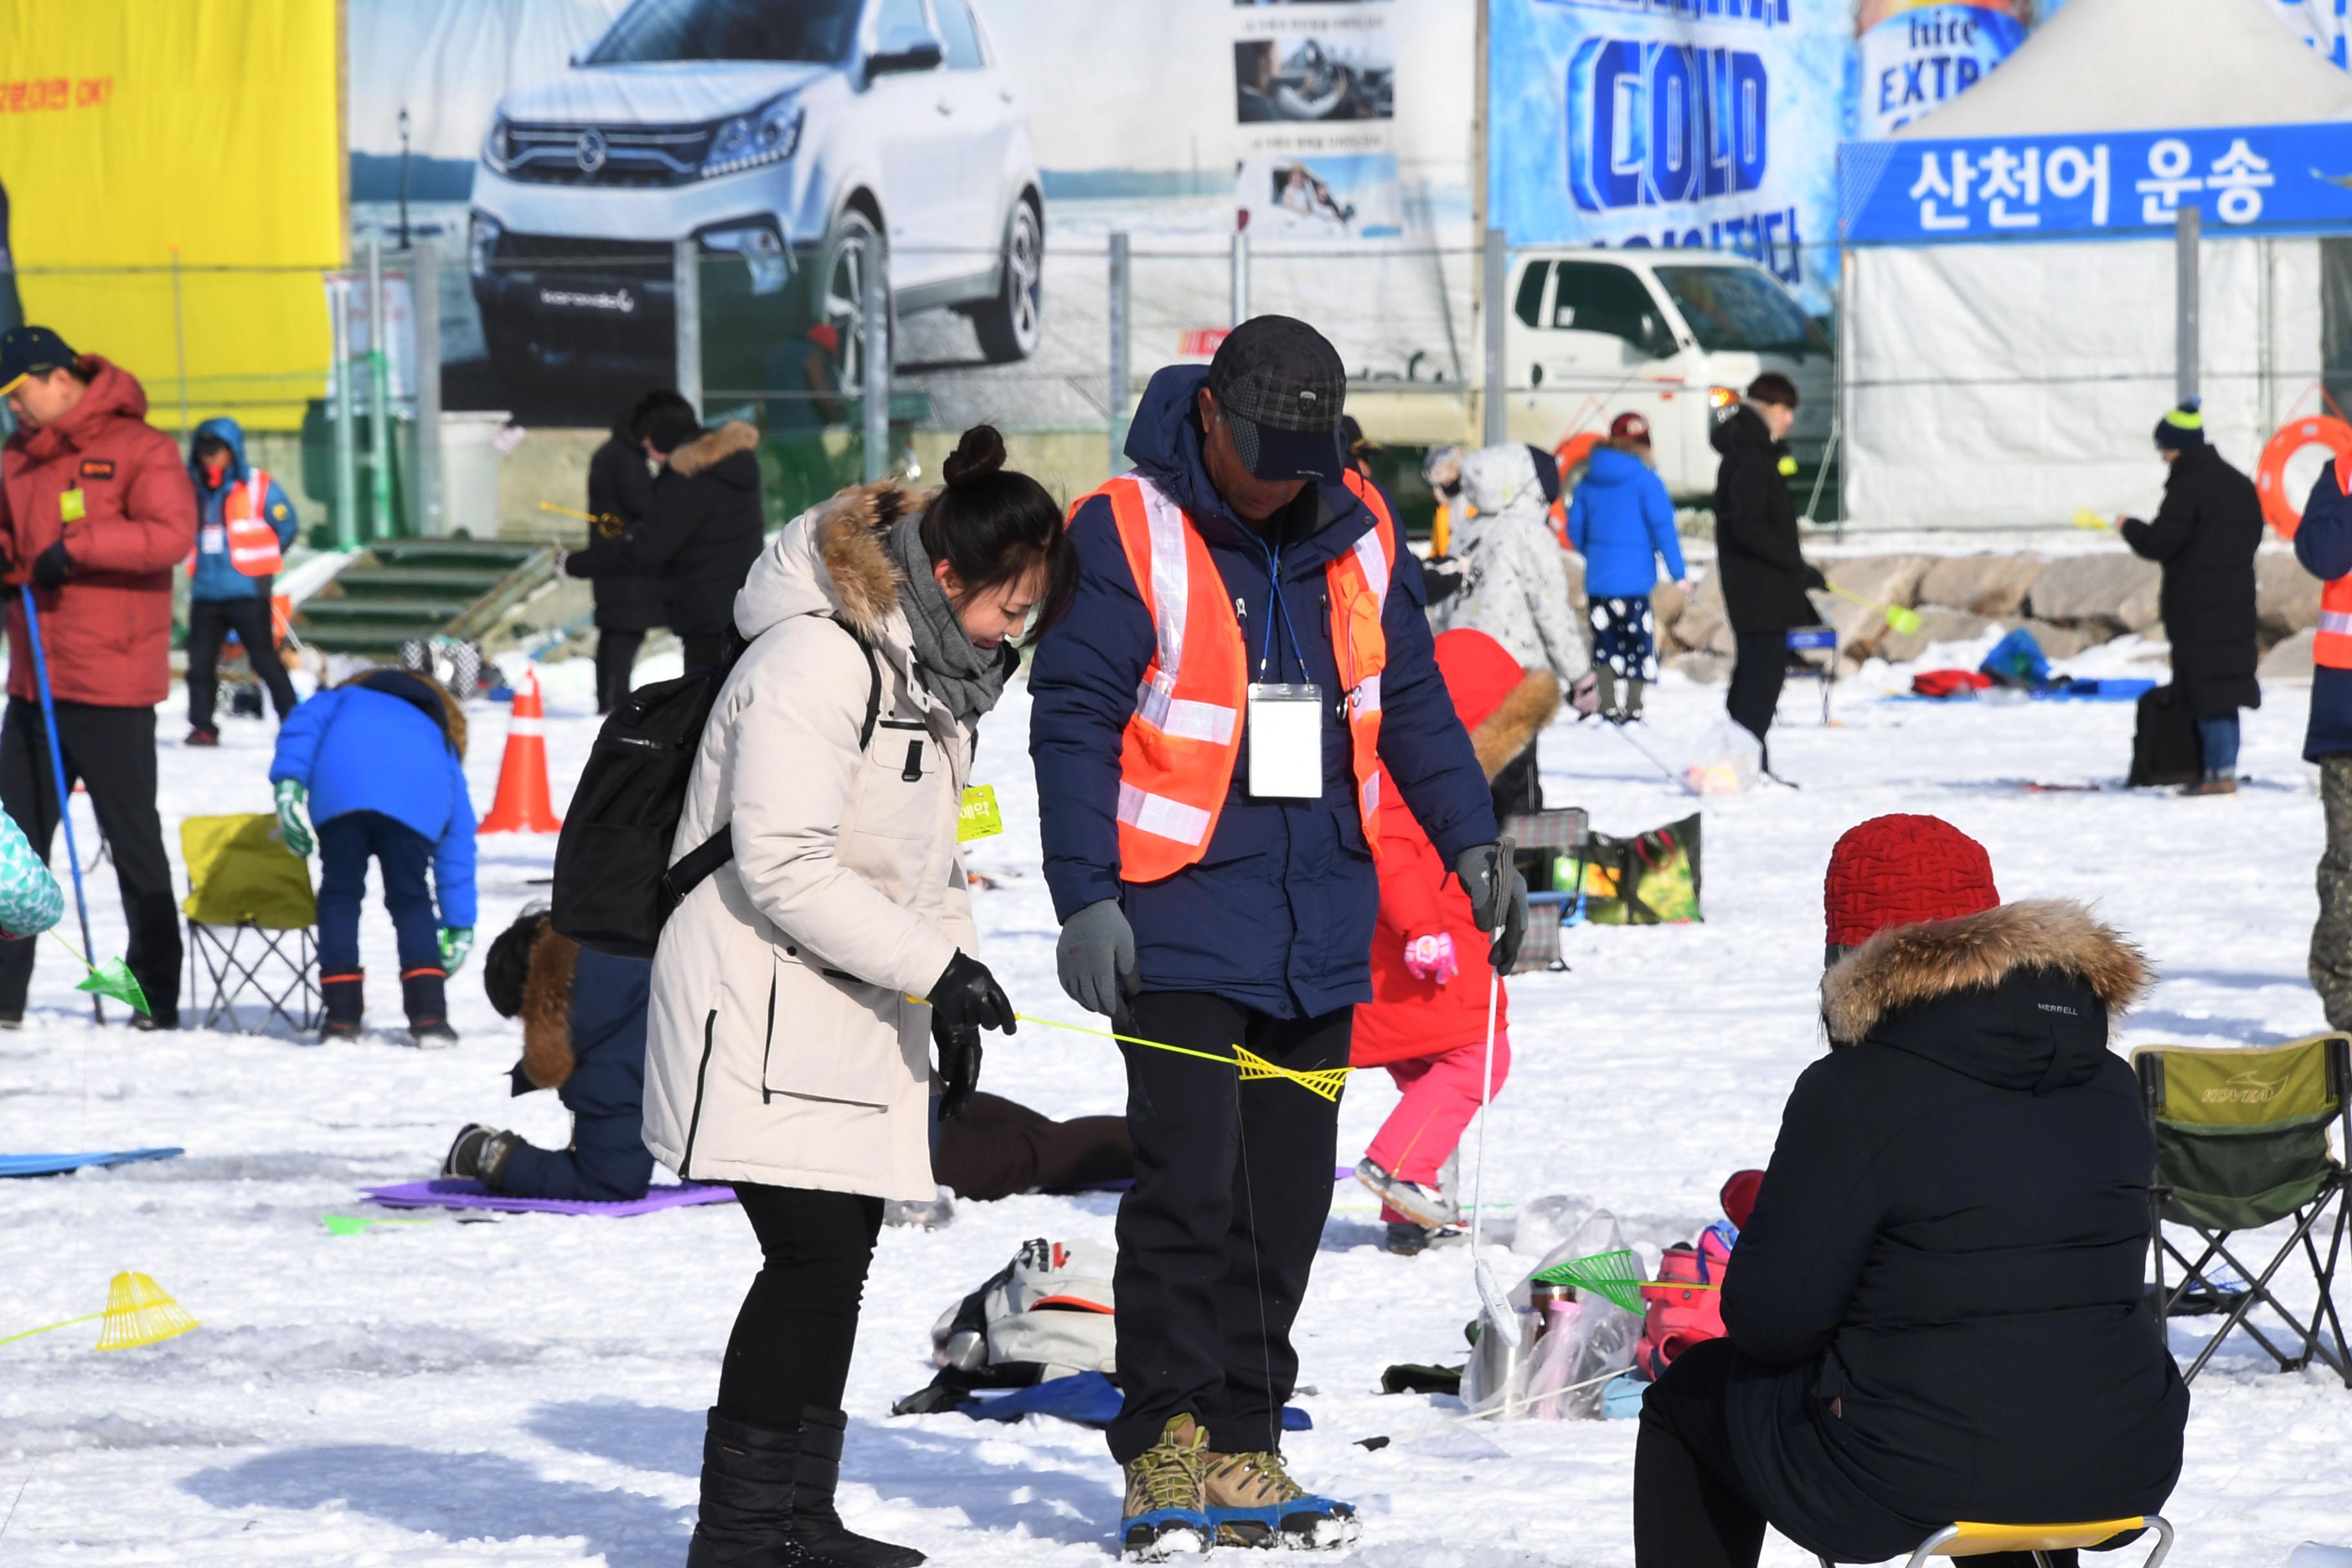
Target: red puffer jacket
[(108, 631), (1503, 708)]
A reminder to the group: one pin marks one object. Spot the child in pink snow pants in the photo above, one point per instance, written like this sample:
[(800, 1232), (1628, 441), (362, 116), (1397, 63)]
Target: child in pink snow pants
[(1427, 1020)]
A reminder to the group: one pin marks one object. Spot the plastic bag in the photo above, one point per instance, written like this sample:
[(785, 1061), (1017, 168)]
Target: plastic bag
[(1731, 761), (1570, 1342)]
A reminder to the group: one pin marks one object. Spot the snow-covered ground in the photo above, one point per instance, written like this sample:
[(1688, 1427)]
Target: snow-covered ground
[(530, 1390)]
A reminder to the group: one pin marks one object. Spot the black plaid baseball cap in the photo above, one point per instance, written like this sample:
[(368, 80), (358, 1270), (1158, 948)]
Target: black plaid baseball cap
[(1281, 389), (28, 352)]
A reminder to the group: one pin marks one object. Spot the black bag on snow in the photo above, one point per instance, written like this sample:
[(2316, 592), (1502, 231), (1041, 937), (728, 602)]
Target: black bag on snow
[(614, 883), (2165, 747)]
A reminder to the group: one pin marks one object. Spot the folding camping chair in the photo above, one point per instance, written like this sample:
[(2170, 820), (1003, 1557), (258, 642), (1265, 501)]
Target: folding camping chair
[(252, 921), (2240, 1144), (1813, 650), (1971, 1540), (1542, 839)]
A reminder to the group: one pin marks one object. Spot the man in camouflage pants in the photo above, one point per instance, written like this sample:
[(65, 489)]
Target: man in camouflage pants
[(2323, 542)]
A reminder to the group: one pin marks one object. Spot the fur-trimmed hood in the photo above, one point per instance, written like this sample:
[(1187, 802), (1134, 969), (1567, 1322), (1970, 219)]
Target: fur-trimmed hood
[(835, 558), (1506, 732), (707, 451), (547, 1058), (2022, 995), (423, 692)]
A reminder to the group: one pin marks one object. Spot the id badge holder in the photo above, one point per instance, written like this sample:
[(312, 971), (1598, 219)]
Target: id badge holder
[(1285, 742)]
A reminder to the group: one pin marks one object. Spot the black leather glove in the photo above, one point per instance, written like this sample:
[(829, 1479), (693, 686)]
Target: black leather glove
[(1499, 900), (52, 566), (959, 1069), (967, 996)]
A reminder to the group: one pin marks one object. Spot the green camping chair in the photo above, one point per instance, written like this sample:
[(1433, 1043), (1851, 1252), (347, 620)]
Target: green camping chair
[(2242, 1143)]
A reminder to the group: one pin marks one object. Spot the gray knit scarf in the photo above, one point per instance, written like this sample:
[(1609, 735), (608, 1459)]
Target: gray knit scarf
[(960, 673)]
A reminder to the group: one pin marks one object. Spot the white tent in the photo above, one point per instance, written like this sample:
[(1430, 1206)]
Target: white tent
[(2011, 383)]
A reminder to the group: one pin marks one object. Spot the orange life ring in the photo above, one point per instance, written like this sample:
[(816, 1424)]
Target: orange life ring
[(2279, 509), (1572, 452)]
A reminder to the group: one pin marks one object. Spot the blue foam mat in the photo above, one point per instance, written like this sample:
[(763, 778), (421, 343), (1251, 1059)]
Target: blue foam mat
[(1090, 1399), (58, 1164)]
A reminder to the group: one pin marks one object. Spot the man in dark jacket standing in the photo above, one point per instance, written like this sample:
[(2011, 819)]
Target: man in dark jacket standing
[(95, 511), (620, 496), (2204, 536), (1765, 576), (701, 535), (1936, 1309), (1207, 851), (2323, 543)]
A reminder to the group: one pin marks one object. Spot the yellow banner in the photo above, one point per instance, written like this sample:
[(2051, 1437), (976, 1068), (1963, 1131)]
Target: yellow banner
[(136, 131)]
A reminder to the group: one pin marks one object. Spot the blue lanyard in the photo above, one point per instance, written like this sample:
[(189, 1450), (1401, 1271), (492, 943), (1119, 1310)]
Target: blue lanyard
[(1282, 612)]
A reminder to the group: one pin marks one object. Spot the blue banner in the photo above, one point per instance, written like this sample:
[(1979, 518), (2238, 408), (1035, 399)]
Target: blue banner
[(2128, 184), (1703, 123)]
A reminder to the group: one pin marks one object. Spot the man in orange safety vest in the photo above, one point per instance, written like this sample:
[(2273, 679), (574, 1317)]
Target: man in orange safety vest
[(1247, 649), (245, 523), (2323, 543)]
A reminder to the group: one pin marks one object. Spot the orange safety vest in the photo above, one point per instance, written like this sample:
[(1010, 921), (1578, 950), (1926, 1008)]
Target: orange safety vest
[(2331, 647), (1176, 757), (252, 543)]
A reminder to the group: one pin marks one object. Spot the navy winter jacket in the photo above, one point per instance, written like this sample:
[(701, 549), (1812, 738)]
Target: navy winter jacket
[(358, 748), (2323, 542), (216, 577), (1621, 520), (1277, 915)]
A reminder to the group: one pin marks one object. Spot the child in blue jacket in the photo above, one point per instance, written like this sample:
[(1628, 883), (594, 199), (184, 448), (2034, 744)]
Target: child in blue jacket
[(1622, 522), (380, 762)]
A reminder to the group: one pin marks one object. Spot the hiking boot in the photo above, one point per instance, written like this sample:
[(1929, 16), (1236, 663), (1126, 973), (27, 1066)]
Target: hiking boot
[(2219, 786), (1166, 1513), (479, 1153), (201, 737), (746, 1501), (816, 1523), (1253, 1501), (1423, 1206)]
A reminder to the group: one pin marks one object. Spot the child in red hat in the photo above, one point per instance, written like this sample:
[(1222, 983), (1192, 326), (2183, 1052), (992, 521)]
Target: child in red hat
[(1427, 1020)]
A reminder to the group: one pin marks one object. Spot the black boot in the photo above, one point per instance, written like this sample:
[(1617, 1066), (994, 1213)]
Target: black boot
[(345, 997), (746, 1501), (815, 1523), (424, 993)]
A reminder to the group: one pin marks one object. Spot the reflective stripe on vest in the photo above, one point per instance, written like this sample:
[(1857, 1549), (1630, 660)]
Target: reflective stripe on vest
[(1178, 753), (2331, 646), (252, 543)]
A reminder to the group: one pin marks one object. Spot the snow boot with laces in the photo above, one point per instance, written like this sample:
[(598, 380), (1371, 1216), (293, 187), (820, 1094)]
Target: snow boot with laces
[(1253, 1501), (816, 1523), (1167, 1511)]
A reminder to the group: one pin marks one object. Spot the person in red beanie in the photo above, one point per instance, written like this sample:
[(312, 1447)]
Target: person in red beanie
[(1426, 1022), (1938, 1312)]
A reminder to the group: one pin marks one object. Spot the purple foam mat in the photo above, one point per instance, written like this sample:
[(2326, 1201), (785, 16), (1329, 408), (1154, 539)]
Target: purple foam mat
[(450, 1194)]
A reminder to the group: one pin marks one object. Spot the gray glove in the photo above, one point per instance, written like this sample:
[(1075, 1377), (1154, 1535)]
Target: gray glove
[(1096, 958), (1499, 900)]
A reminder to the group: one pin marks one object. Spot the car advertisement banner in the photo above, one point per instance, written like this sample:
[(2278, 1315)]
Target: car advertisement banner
[(2128, 184), (557, 151), (103, 186), (1671, 123)]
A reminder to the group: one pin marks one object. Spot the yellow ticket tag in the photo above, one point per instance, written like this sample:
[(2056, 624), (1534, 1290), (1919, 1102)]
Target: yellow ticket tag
[(978, 817), (70, 506)]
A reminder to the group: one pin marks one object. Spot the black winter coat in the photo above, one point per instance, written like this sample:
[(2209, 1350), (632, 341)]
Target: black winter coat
[(2204, 536), (1764, 574), (620, 488), (701, 536), (1938, 1302)]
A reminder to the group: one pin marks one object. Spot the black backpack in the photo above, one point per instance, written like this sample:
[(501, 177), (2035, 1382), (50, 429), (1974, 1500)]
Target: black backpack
[(2165, 747), (614, 883)]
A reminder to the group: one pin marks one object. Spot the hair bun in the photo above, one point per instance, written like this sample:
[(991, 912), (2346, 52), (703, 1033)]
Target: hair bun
[(979, 455)]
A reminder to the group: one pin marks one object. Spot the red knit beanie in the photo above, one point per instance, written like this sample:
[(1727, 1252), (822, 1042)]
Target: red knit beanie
[(1900, 870)]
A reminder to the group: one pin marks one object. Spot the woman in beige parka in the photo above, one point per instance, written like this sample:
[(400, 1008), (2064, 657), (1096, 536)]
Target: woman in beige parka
[(784, 1052)]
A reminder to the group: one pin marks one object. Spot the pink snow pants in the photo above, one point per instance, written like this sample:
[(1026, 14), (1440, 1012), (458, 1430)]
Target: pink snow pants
[(1441, 1096)]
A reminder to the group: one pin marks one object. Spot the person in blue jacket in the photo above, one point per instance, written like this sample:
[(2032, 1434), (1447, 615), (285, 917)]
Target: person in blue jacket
[(1622, 522), (225, 593), (1263, 942), (380, 761), (2323, 543), (584, 1036)]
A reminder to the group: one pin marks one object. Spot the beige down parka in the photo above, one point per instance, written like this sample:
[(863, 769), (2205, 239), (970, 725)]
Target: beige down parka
[(781, 1047)]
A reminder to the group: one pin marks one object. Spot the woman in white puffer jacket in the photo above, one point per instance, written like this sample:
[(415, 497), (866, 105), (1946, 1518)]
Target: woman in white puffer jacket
[(784, 1052)]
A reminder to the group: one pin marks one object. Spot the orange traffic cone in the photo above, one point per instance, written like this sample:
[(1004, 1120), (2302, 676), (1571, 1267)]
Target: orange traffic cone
[(522, 805)]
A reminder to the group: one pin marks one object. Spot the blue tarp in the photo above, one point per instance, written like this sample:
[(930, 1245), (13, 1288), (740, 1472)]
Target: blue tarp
[(58, 1165), (1090, 1399)]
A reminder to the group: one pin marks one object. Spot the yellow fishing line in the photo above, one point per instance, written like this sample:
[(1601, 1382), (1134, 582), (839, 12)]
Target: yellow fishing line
[(1325, 1082)]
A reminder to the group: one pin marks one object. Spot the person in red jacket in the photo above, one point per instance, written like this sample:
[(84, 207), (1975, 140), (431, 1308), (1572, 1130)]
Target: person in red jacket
[(95, 508), (1426, 1022)]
